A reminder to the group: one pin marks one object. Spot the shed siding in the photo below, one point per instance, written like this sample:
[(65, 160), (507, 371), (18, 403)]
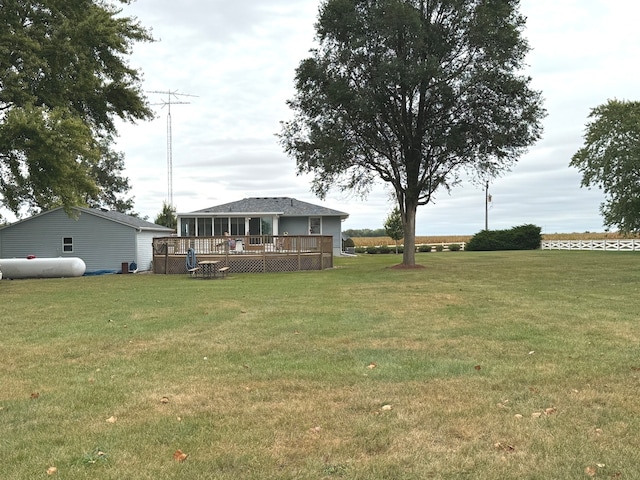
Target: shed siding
[(144, 246), (100, 243)]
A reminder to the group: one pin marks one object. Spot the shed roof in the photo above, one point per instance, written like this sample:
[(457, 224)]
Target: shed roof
[(117, 217), (283, 206)]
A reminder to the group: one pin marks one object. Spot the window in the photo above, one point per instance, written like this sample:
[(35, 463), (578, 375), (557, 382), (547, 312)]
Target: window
[(237, 225), (204, 227), (67, 244), (267, 225), (188, 227), (315, 226), (220, 225)]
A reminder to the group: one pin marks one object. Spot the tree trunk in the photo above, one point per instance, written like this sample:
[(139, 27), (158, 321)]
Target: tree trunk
[(409, 224)]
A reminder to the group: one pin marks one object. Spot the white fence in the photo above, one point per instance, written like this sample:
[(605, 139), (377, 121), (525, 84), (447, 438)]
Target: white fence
[(603, 245)]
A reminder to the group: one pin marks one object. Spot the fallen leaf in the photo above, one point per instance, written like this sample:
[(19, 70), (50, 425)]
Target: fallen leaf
[(372, 365), (505, 446), (532, 352), (111, 419), (164, 400), (591, 471), (35, 395), (52, 471), (517, 416), (315, 429), (477, 367), (386, 407), (536, 414), (598, 431), (549, 411), (178, 456)]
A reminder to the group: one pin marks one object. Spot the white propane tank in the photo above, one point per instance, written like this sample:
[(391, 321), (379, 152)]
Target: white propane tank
[(42, 267)]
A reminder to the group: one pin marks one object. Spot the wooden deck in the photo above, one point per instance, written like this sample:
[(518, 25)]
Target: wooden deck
[(245, 254)]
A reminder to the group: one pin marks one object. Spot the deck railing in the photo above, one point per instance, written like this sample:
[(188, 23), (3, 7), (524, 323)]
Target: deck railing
[(244, 244), (246, 253)]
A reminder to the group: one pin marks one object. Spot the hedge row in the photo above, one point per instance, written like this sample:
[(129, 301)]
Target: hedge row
[(523, 237), (454, 247)]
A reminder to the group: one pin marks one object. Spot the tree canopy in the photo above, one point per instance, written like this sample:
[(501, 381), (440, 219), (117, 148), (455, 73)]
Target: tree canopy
[(64, 78), (412, 92), (167, 216), (610, 160)]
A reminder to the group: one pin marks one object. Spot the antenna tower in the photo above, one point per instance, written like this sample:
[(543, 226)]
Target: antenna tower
[(172, 99)]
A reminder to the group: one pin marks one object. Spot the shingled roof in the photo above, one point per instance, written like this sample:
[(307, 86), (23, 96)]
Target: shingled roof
[(283, 206)]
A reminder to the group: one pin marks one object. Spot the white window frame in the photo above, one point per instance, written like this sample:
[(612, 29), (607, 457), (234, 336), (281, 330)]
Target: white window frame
[(67, 244)]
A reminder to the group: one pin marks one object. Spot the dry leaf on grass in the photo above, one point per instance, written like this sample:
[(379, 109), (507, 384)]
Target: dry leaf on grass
[(386, 407), (550, 411), (35, 395), (52, 471), (315, 429), (111, 419), (536, 414), (505, 446), (591, 471), (164, 400), (179, 456), (372, 365), (478, 367)]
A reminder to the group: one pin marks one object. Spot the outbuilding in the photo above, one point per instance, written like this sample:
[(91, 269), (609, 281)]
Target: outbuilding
[(106, 241)]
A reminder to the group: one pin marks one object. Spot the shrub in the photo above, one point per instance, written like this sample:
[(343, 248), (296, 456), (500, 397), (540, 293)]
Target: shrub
[(349, 243), (424, 248), (384, 249), (372, 250), (455, 247), (439, 248), (523, 237), (360, 249)]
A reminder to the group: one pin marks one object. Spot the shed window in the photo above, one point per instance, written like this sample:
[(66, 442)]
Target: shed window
[(67, 244)]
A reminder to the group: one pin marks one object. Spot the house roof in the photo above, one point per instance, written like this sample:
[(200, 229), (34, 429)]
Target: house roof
[(283, 206), (117, 217)]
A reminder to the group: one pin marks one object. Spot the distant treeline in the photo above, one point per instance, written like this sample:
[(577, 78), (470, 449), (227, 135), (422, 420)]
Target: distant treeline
[(364, 232)]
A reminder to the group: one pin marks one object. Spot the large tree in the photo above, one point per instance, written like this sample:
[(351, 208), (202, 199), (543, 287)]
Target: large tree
[(610, 160), (64, 79), (412, 92)]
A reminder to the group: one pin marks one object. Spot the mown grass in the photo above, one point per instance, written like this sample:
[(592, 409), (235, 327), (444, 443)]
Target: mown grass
[(285, 376)]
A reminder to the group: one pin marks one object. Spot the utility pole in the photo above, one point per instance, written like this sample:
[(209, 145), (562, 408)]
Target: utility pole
[(487, 200), (172, 99)]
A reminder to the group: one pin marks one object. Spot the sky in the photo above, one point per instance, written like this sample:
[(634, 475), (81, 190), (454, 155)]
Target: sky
[(236, 61)]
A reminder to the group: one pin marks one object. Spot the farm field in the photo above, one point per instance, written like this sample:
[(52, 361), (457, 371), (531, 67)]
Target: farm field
[(482, 365), (449, 239)]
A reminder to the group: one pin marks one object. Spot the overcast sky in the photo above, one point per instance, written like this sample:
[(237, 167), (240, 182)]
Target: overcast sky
[(238, 60)]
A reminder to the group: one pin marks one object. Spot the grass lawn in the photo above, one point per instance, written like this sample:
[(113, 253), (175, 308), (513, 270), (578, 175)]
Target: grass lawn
[(502, 365)]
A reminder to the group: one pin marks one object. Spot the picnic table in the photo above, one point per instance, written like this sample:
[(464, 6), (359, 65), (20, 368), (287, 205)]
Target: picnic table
[(209, 268)]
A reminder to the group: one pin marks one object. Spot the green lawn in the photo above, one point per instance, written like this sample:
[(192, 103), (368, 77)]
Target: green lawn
[(505, 365)]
